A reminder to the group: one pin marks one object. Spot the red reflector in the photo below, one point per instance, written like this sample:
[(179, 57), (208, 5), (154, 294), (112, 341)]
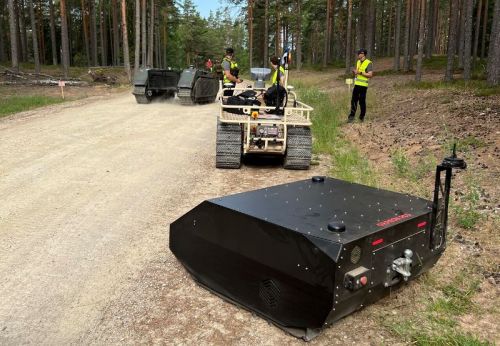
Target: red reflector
[(422, 224), (378, 241)]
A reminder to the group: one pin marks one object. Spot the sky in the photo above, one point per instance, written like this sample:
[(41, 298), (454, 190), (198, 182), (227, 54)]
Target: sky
[(204, 6)]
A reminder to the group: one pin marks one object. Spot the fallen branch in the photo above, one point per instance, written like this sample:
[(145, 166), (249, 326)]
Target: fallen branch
[(45, 82)]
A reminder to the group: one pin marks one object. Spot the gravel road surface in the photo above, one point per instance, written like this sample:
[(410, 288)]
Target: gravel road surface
[(88, 190)]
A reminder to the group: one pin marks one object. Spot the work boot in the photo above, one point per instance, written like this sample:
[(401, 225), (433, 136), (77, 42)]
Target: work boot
[(350, 120)]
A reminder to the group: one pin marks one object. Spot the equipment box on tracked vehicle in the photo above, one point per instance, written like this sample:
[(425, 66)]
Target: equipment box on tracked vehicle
[(254, 129)]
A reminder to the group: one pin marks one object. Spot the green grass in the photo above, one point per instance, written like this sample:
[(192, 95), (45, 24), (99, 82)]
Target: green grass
[(17, 104), (330, 112), (424, 166), (412, 332), (437, 323), (466, 213)]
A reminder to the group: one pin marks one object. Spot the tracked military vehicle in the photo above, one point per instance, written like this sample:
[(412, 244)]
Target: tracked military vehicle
[(197, 86), (251, 123), (151, 83), (305, 254)]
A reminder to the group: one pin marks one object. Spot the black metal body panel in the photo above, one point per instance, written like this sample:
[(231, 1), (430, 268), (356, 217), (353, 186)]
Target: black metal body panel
[(271, 250), (203, 86), (157, 79)]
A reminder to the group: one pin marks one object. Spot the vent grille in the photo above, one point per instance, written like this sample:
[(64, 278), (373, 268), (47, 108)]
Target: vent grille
[(355, 254), (269, 292)]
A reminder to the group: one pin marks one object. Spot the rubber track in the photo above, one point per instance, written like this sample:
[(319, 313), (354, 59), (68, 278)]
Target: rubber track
[(228, 146), (185, 97), (299, 148)]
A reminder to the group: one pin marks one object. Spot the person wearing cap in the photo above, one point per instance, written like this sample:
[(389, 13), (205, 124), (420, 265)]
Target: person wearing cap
[(362, 73), (231, 72)]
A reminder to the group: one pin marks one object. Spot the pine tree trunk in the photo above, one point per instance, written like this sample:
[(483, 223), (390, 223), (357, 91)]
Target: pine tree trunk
[(151, 34), (53, 41), (389, 32), (348, 50), (461, 33), (326, 41), (469, 13), (476, 32), (250, 32), (116, 34), (36, 55), (143, 35), (414, 31), (165, 23), (40, 32), (397, 34), (85, 31), (137, 57), (104, 34), (266, 32), (64, 39), (126, 58), (493, 68), (379, 37), (299, 35), (2, 31), (421, 41), (371, 27), (22, 31), (13, 37), (452, 42), (406, 58), (331, 46), (156, 49), (485, 26), (93, 34), (277, 48), (429, 47)]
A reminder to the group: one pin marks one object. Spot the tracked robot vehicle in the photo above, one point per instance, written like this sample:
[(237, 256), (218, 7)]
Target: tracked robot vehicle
[(193, 86), (305, 254), (151, 83), (274, 126), (197, 86)]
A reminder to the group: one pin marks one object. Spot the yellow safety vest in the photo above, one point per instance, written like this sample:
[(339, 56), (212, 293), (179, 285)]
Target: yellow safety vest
[(233, 65), (275, 75), (361, 67)]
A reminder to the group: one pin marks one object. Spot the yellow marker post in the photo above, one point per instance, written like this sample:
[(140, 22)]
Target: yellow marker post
[(349, 82)]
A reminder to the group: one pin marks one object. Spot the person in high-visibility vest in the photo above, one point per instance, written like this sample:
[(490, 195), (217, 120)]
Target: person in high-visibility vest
[(362, 74), (231, 71), (274, 63)]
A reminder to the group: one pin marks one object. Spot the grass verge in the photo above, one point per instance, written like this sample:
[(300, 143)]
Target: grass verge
[(436, 321), (17, 104), (329, 113)]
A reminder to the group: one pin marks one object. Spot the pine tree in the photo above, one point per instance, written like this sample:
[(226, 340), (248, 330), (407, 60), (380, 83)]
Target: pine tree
[(36, 55), (126, 58), (13, 39), (64, 39), (493, 68), (452, 42), (53, 41)]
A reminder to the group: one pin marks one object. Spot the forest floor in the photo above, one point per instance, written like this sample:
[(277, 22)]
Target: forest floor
[(90, 186)]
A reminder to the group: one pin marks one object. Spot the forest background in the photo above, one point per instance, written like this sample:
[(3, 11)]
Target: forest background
[(166, 33)]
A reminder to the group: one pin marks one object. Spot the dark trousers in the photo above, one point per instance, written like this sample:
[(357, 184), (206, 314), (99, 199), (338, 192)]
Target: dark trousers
[(228, 92), (358, 95)]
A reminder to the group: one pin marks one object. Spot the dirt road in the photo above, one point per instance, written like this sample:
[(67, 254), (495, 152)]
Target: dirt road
[(87, 193)]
